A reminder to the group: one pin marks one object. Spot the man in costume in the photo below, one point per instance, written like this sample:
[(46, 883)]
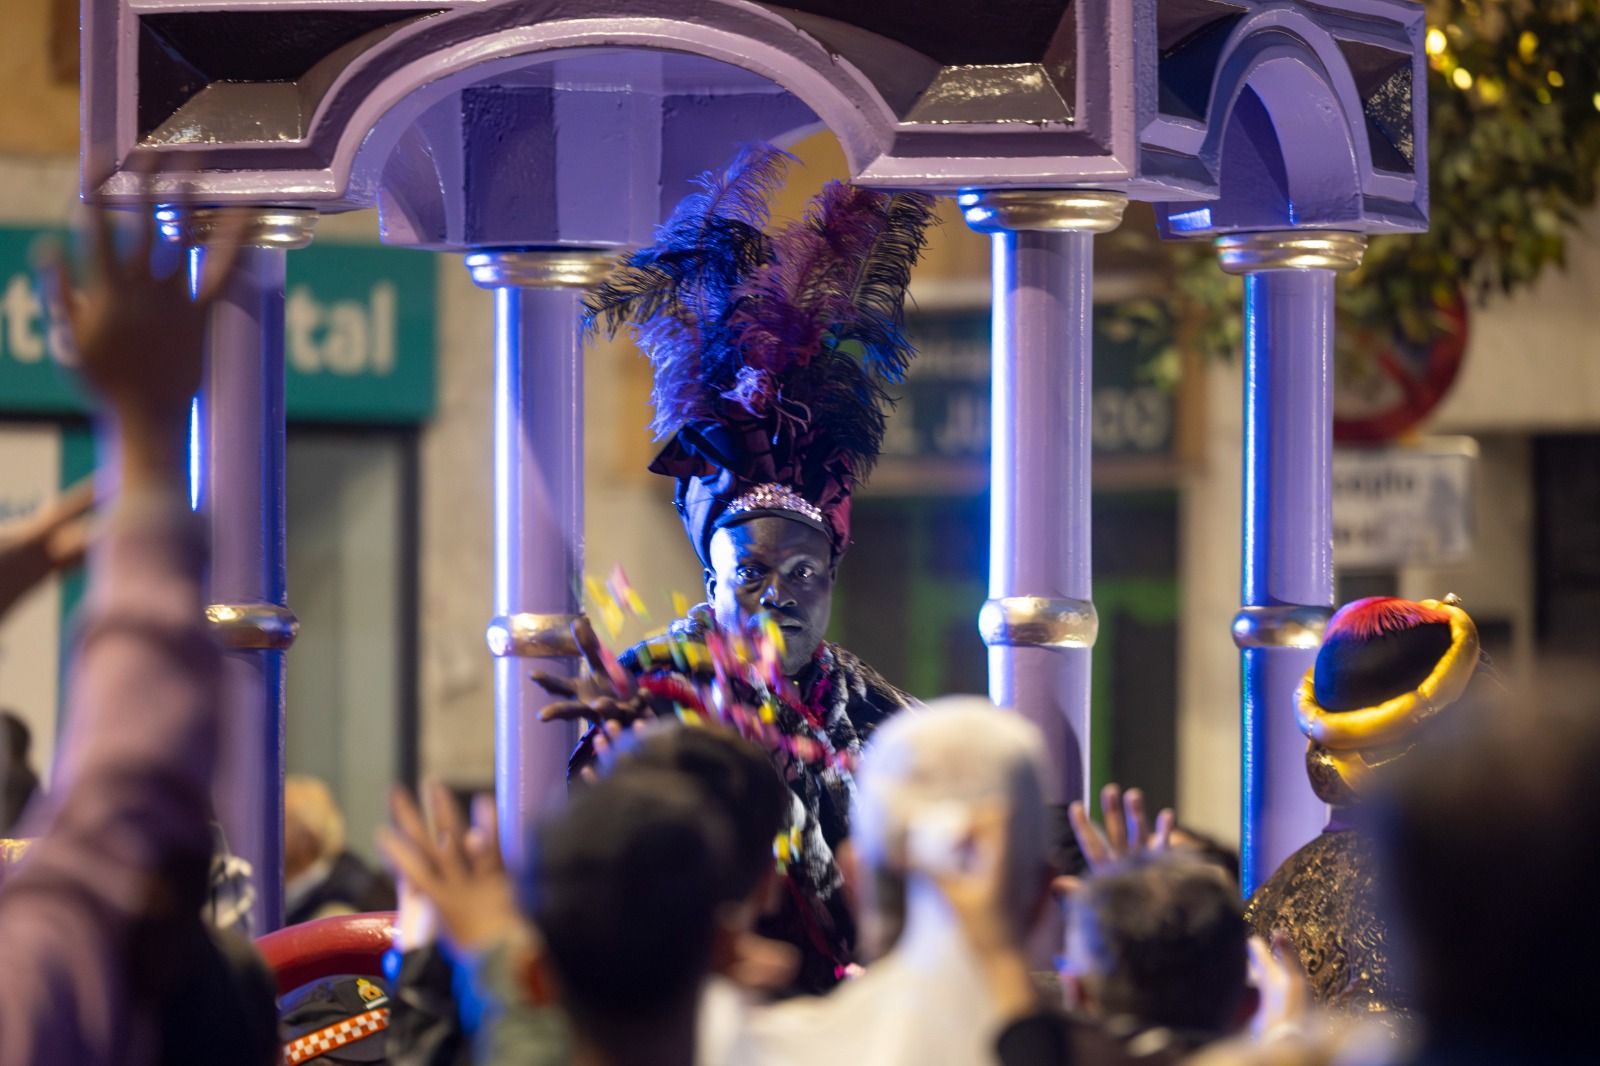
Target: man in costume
[(1387, 668), (771, 354)]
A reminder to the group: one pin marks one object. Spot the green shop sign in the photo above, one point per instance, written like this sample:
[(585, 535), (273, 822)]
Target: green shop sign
[(358, 335)]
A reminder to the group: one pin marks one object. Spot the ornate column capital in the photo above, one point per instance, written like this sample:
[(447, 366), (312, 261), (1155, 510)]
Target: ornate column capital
[(1046, 210), (541, 268), (263, 227), (1248, 253)]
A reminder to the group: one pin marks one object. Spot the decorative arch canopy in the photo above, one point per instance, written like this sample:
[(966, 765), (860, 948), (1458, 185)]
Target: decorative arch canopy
[(336, 104)]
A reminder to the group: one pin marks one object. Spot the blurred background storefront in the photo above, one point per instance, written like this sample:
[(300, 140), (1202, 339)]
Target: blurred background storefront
[(1494, 494)]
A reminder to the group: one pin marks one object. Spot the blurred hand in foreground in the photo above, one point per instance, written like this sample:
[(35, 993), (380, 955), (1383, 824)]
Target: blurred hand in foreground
[(1127, 832), (455, 868), (51, 539), (137, 334)]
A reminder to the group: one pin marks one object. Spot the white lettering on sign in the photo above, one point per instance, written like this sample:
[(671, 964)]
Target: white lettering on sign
[(1135, 419), (346, 337), (1403, 505), (23, 315)]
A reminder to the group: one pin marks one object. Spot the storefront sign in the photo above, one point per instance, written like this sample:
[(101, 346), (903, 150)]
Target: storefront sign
[(359, 342), (1404, 505), (943, 413)]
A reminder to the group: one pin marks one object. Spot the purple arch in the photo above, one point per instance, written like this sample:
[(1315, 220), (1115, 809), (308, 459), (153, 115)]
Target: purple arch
[(371, 102)]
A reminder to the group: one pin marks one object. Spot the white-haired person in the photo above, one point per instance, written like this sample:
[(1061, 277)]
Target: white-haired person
[(926, 782)]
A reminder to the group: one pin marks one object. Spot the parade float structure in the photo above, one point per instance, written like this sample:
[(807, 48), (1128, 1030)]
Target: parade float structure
[(536, 138)]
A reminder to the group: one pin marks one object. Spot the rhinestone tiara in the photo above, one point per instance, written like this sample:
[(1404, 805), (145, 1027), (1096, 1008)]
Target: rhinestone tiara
[(774, 497)]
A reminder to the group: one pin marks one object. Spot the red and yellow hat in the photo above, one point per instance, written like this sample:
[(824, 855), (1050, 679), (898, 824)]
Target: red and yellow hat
[(1386, 666)]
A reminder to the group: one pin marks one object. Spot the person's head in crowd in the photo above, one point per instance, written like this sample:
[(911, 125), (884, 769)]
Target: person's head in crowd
[(1485, 850), (736, 776), (313, 826), (625, 887), (924, 778), (1160, 943), (323, 877), (1186, 840)]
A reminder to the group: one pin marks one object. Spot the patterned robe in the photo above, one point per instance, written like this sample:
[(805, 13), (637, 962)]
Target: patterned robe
[(844, 701)]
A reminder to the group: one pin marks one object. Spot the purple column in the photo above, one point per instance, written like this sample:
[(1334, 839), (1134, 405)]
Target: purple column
[(1039, 621), (538, 514), (240, 492), (1286, 581)]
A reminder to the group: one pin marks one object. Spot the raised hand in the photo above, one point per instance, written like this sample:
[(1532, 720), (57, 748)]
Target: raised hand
[(51, 539), (136, 333), (1285, 1003), (604, 692), (1127, 831), (458, 869)]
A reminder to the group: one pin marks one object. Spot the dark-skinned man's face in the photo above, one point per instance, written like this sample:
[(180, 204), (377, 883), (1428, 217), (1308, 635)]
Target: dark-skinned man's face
[(772, 566)]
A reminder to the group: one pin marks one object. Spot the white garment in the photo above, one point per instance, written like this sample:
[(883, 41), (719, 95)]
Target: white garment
[(924, 1003)]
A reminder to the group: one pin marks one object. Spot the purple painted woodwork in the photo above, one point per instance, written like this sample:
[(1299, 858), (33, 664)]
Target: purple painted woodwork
[(241, 495), (526, 165), (1334, 113), (1134, 81), (1288, 544), (538, 535), (1040, 479)]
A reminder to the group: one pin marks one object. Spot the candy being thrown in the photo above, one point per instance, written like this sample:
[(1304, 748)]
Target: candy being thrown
[(622, 592), (605, 605)]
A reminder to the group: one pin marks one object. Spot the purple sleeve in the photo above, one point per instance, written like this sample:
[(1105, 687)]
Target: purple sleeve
[(129, 803)]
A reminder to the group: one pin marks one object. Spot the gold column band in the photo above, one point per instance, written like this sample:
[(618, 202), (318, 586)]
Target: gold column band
[(556, 268), (532, 636), (1054, 210), (1248, 253), (1038, 622), (263, 227), (1286, 625), (253, 626)]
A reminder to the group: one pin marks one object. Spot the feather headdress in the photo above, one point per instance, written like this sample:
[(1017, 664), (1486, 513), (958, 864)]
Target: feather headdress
[(770, 352)]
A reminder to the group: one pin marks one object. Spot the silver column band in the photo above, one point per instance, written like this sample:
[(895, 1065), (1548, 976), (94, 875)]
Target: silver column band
[(532, 636), (259, 227), (555, 268), (1055, 210), (1038, 622), (1286, 625), (252, 626), (1248, 253)]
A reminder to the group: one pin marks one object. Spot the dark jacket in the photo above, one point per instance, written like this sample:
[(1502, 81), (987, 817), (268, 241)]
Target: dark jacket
[(351, 883), (20, 785)]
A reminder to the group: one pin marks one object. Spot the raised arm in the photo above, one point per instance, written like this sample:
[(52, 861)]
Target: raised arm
[(123, 842)]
